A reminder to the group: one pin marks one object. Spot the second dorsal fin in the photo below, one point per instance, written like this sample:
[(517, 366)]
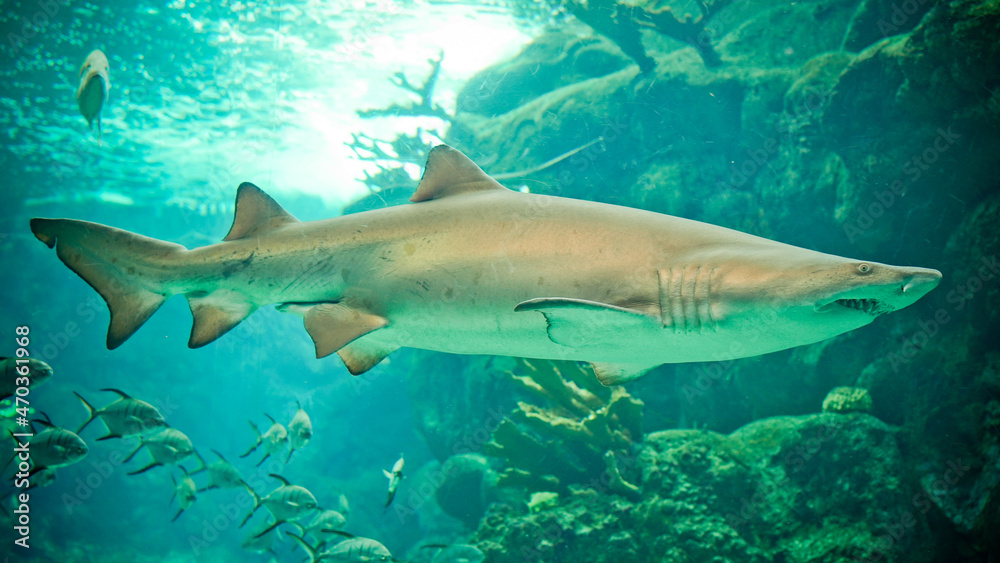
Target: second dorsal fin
[(449, 172), (256, 213)]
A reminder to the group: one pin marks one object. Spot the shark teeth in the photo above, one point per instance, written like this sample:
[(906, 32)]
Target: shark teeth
[(870, 306)]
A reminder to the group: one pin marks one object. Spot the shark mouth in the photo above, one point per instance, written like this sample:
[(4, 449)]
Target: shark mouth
[(873, 307), (869, 306)]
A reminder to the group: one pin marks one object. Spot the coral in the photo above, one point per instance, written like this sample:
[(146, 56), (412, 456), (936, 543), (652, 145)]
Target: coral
[(425, 92), (848, 399), (567, 440), (779, 489), (622, 23)]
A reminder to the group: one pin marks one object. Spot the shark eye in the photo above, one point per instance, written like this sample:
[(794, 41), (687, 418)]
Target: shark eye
[(864, 268)]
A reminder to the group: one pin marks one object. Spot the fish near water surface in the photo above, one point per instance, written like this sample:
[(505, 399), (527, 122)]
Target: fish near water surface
[(471, 267), (95, 84)]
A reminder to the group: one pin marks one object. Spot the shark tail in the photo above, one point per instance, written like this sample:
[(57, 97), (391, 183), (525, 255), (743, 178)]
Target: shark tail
[(108, 259), (130, 272)]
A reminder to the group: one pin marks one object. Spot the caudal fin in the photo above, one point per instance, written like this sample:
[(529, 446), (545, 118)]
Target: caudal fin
[(110, 260)]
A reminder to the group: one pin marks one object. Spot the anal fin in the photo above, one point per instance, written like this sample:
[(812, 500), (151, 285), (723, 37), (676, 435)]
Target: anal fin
[(333, 326)]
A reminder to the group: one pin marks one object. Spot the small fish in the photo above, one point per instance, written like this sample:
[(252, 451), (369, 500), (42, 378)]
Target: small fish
[(53, 448), (95, 84), (124, 417), (221, 474), (260, 541), (186, 492), (394, 478), (38, 373), (354, 549), (456, 553), (287, 503), (300, 430), (274, 440), (171, 446), (324, 526)]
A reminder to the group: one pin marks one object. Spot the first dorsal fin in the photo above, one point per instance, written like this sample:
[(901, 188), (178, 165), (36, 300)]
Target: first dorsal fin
[(449, 172), (256, 213)]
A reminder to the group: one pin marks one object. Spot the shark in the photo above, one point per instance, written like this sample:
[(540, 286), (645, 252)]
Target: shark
[(472, 267)]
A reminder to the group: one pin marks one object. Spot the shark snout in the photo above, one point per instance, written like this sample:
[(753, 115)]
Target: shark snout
[(921, 281)]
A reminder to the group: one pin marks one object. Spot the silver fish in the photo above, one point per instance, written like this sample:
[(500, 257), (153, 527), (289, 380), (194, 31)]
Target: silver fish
[(395, 476), (274, 440), (124, 417), (324, 527), (54, 447), (13, 369), (287, 503), (169, 447), (221, 474), (457, 553), (185, 491), (353, 549), (300, 431)]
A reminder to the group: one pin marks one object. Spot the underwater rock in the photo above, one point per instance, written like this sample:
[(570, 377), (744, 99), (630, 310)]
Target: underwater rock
[(469, 487), (848, 399), (874, 20), (928, 124), (820, 487), (552, 60)]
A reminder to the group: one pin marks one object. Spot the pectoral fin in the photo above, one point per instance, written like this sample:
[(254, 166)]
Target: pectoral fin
[(333, 326), (578, 323)]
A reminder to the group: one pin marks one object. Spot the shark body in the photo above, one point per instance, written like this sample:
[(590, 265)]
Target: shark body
[(472, 267)]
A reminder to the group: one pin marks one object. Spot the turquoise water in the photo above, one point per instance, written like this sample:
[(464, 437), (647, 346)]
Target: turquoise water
[(850, 128)]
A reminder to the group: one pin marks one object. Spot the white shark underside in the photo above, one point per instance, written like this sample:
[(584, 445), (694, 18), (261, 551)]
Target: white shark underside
[(474, 268)]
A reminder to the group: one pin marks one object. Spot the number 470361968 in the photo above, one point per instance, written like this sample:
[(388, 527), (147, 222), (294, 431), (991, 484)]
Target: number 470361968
[(22, 369)]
